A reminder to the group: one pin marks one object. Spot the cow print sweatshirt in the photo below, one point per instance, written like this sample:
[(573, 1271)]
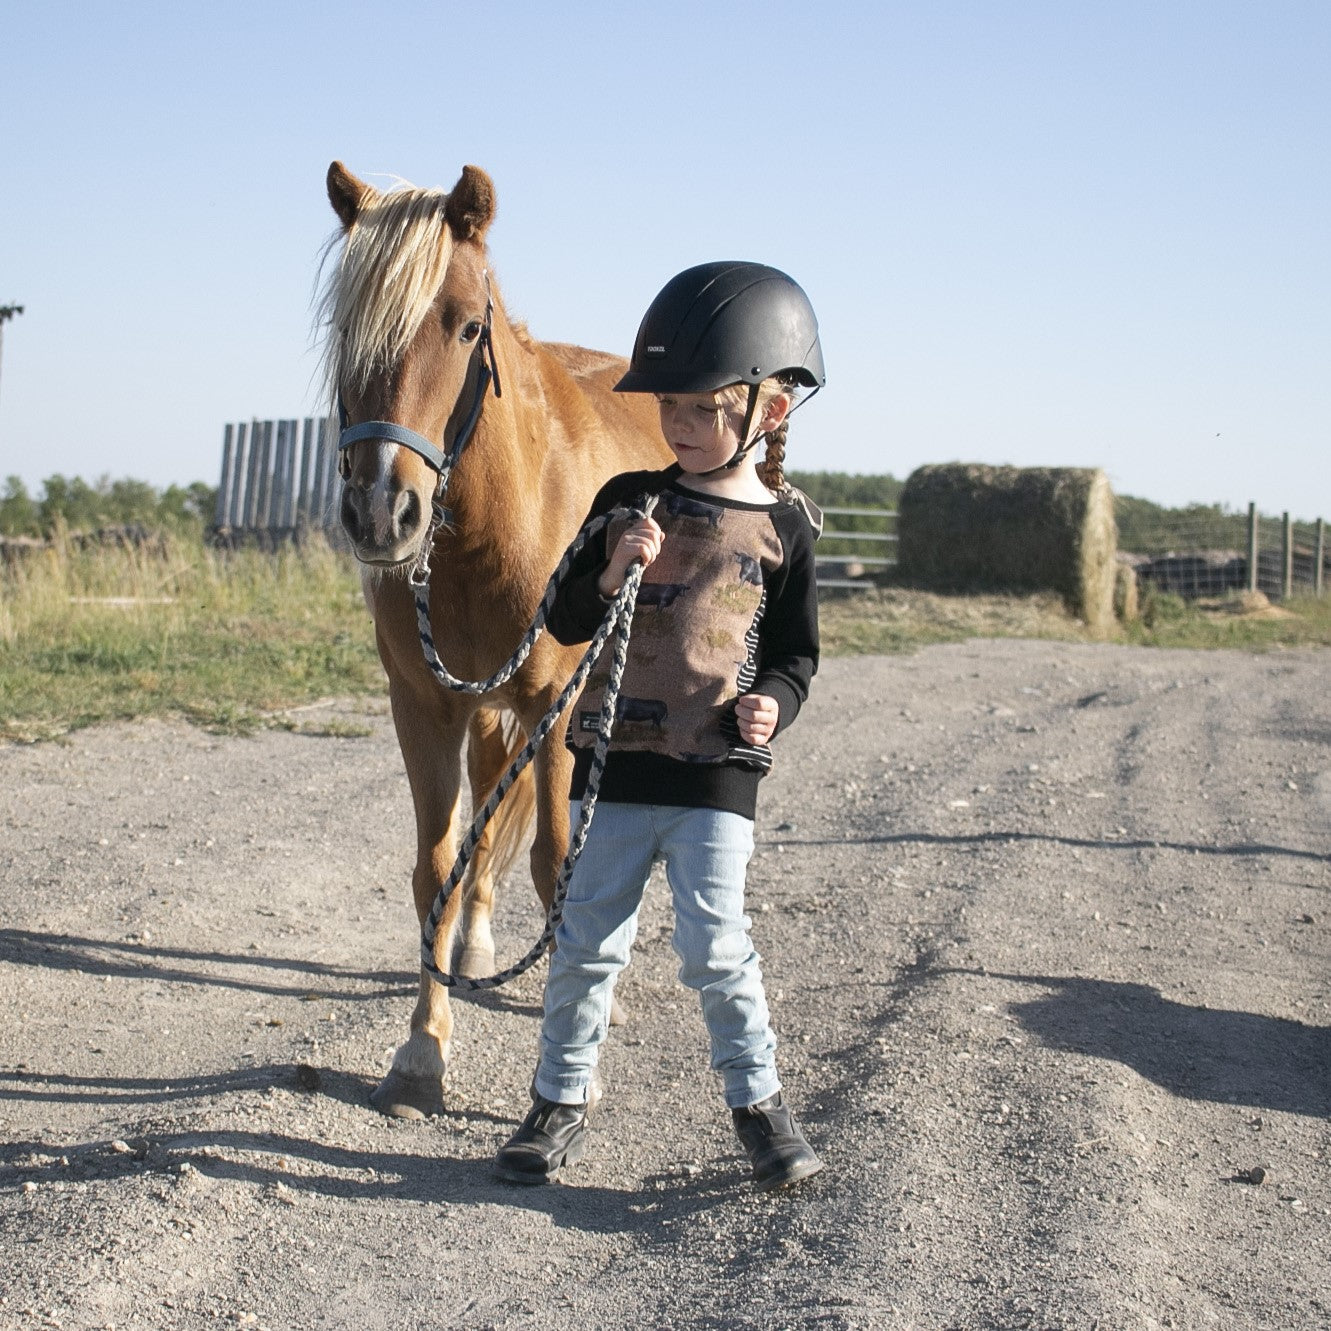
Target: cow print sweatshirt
[(729, 606)]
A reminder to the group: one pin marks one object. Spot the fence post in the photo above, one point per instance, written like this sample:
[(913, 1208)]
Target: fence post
[(249, 519), (224, 486), (306, 450), (1287, 575), (318, 497), (278, 502), (234, 515), (293, 453), (1319, 557), (1252, 547), (329, 452), (264, 500)]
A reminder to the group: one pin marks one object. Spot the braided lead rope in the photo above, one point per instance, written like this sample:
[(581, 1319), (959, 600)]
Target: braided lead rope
[(419, 577), (421, 590), (619, 620)]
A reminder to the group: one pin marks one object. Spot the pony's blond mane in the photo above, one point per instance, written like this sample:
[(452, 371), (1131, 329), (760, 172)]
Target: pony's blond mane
[(391, 265)]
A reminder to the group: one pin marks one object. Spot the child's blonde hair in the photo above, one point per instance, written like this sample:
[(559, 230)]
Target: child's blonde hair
[(735, 397)]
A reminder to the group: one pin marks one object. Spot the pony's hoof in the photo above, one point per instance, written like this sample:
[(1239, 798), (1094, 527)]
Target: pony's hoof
[(400, 1096), (618, 1017), (476, 963)]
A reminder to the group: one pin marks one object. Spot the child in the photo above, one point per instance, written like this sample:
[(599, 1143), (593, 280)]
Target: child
[(724, 644)]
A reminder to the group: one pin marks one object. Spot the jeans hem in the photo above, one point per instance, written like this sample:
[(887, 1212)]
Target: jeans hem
[(561, 1094), (751, 1093)]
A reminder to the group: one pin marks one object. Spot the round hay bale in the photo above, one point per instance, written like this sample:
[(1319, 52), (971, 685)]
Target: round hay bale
[(965, 526), (1126, 604)]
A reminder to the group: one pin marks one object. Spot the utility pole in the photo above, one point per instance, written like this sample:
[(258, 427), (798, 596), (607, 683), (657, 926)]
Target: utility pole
[(7, 312)]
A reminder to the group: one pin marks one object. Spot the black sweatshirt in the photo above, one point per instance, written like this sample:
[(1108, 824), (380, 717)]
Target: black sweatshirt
[(730, 606)]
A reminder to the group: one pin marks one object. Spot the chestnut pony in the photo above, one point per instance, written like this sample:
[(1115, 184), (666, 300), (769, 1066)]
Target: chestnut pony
[(408, 333)]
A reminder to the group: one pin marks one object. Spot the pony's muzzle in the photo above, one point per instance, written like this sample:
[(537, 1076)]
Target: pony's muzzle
[(384, 521)]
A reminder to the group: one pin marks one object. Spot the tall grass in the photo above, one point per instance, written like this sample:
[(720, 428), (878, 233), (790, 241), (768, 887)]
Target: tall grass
[(229, 639), (177, 628)]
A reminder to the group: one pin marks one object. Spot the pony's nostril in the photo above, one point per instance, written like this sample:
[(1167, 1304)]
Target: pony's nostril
[(407, 512), (352, 502)]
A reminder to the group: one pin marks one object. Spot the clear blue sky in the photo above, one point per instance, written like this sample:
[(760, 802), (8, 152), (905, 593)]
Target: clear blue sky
[(1035, 233)]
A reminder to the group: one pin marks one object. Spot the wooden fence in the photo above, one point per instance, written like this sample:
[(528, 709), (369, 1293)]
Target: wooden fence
[(279, 478)]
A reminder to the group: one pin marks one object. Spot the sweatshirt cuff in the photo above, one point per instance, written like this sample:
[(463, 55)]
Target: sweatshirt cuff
[(787, 699), (583, 609)]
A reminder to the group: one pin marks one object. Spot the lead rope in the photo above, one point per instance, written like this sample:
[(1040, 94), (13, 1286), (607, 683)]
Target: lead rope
[(619, 620)]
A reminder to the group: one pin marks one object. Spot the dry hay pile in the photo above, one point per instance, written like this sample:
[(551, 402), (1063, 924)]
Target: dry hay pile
[(964, 526), (1244, 605), (1127, 604)]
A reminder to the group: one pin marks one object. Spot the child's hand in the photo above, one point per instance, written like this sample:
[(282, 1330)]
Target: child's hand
[(640, 544), (757, 715)]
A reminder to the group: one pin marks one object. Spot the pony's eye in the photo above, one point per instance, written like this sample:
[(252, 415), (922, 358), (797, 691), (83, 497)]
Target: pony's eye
[(471, 332)]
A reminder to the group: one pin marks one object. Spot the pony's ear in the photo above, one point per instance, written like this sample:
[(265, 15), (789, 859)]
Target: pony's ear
[(471, 205), (346, 194)]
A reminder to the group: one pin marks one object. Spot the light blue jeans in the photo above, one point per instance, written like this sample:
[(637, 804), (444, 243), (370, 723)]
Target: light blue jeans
[(706, 853)]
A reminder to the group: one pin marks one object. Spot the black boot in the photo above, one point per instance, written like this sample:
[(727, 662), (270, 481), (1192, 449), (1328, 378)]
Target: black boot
[(551, 1136), (775, 1144)]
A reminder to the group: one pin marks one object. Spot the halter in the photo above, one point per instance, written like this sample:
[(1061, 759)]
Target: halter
[(393, 433)]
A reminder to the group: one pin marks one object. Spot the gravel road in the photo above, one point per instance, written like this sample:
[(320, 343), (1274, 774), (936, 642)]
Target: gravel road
[(1045, 931)]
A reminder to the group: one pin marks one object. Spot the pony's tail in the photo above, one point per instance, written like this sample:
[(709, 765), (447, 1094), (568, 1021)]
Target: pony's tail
[(516, 815)]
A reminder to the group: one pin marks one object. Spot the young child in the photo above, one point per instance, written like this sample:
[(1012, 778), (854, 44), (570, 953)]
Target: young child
[(723, 647)]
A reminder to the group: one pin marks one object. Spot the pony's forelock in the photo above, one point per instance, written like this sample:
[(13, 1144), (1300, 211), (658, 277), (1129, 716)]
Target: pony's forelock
[(381, 285)]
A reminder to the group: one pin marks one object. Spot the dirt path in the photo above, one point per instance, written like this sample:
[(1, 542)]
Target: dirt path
[(1045, 928)]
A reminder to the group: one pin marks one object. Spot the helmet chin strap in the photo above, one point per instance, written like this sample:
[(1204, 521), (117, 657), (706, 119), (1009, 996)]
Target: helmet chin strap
[(745, 449), (746, 445)]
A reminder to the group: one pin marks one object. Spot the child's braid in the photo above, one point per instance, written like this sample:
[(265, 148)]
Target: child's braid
[(770, 469)]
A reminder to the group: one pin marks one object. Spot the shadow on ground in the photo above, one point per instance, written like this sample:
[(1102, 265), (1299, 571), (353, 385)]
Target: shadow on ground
[(1197, 1053)]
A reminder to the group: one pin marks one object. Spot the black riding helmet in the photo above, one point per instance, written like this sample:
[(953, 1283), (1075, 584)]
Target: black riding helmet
[(726, 323)]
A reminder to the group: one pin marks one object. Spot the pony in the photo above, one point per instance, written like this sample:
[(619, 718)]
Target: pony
[(413, 324)]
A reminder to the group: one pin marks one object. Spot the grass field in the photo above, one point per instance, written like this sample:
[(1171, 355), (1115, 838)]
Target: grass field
[(224, 638), (234, 640)]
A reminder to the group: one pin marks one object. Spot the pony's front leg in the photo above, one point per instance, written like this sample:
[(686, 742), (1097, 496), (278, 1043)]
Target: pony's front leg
[(430, 732), (492, 744)]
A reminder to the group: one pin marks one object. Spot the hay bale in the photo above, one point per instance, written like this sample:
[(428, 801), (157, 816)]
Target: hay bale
[(1126, 603), (964, 526)]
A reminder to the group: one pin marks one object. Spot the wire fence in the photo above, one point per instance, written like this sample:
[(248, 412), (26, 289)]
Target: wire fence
[(1207, 551)]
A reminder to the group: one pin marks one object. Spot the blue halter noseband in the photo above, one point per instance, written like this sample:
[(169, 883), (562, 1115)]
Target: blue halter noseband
[(393, 433)]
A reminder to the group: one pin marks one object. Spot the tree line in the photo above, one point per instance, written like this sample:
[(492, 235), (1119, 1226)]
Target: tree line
[(81, 506)]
